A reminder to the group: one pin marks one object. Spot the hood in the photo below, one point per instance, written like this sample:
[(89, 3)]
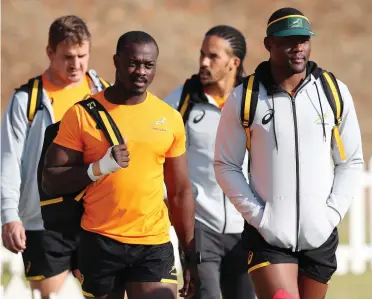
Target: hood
[(263, 73)]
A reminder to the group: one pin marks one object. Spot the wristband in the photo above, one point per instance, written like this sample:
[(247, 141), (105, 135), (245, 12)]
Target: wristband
[(108, 164), (91, 174)]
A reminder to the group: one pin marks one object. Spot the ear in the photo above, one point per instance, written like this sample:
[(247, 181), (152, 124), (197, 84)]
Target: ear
[(267, 43), (236, 62), (49, 51), (116, 61)]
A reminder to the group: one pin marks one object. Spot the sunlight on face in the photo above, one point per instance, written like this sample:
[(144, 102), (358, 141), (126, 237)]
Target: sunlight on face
[(69, 62)]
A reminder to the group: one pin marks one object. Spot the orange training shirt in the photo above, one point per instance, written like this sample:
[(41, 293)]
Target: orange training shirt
[(128, 205), (63, 98)]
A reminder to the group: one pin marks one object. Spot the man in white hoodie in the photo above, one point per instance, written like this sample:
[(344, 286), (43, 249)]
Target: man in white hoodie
[(304, 164), (47, 255), (218, 225)]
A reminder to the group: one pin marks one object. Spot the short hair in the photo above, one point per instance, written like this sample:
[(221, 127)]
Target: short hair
[(68, 29), (237, 42), (283, 12), (134, 37)]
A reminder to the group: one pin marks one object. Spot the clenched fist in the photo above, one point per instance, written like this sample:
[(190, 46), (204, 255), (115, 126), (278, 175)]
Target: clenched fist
[(116, 157), (121, 155)]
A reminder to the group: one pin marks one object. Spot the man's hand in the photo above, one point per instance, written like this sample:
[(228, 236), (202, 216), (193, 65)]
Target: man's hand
[(191, 282), (116, 157), (14, 236), (121, 155)]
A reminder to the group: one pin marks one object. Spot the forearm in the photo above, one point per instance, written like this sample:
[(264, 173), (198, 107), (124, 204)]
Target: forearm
[(65, 180), (182, 211), (234, 184)]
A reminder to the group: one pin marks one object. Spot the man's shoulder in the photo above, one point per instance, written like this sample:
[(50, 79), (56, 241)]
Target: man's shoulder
[(159, 103), (173, 99)]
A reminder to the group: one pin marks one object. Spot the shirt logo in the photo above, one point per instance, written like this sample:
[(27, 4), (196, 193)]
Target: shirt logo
[(159, 125), (322, 117), (268, 116), (199, 117)]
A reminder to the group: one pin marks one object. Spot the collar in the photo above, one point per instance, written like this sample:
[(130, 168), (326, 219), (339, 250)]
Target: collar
[(263, 73)]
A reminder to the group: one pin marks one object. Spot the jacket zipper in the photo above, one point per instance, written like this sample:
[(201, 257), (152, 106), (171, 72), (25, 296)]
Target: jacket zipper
[(297, 171), (224, 207), (297, 163)]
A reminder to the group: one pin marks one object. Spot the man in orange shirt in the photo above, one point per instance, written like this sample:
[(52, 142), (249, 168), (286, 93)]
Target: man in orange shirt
[(125, 237), (47, 255)]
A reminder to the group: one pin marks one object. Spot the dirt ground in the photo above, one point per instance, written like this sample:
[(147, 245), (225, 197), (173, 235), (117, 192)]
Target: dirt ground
[(343, 28)]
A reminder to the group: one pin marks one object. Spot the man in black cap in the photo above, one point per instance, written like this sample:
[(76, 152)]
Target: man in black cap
[(300, 127)]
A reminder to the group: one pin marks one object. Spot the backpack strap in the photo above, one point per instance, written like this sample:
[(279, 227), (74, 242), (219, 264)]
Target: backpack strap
[(104, 83), (192, 93), (249, 105), (333, 94), (103, 120), (93, 76), (35, 95), (184, 105)]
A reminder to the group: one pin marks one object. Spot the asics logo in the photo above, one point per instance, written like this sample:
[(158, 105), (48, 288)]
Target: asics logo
[(199, 117), (268, 116)]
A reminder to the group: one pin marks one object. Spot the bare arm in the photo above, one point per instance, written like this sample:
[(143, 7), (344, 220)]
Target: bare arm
[(180, 200), (64, 171)]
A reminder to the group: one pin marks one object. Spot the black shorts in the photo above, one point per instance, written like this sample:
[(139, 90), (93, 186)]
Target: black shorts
[(106, 264), (318, 264), (49, 253)]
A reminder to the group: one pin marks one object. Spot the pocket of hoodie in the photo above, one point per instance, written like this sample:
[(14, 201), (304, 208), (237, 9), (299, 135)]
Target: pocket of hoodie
[(265, 215), (317, 223), (266, 228)]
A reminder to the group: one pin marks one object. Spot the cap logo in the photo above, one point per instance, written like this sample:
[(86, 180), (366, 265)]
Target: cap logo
[(295, 23)]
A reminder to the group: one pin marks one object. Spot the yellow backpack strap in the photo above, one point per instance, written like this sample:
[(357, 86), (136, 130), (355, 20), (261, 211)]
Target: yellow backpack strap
[(249, 105), (184, 104), (103, 120), (334, 98), (104, 83), (35, 95)]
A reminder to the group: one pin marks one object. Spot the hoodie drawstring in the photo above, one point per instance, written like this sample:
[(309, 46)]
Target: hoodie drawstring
[(321, 111), (276, 139)]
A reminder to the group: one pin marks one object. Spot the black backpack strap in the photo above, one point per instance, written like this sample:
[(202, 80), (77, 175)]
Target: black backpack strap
[(333, 94), (192, 93), (249, 105), (35, 95), (103, 120)]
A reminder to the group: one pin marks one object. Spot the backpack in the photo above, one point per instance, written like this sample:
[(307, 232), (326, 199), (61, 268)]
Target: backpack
[(192, 93), (34, 89), (332, 92), (62, 213)]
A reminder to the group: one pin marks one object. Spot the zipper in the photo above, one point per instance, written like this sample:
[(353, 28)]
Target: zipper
[(297, 171), (297, 163), (224, 207)]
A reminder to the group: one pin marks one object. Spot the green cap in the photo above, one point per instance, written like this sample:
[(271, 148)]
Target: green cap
[(290, 25)]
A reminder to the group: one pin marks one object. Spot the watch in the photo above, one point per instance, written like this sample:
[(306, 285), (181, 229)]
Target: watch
[(192, 257)]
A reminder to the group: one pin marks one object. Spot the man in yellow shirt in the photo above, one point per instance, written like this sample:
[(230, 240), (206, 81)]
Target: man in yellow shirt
[(47, 255), (125, 237)]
